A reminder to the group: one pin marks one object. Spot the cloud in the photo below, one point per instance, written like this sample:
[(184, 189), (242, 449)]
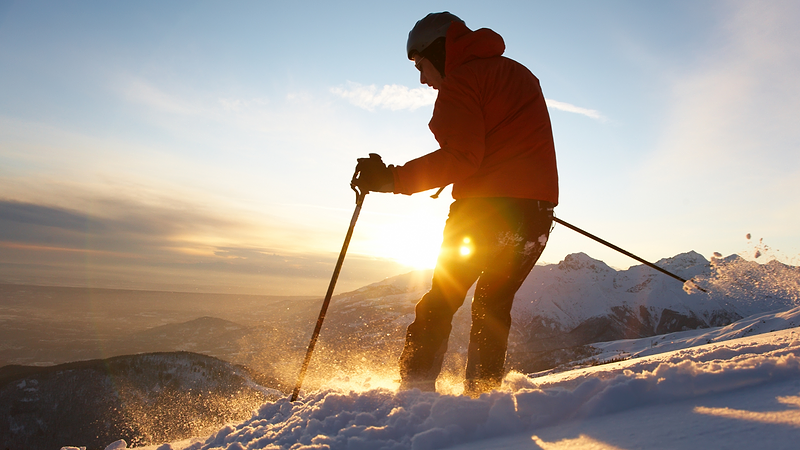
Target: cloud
[(118, 226), (397, 97), (139, 91), (394, 97), (562, 106), (280, 122), (125, 243)]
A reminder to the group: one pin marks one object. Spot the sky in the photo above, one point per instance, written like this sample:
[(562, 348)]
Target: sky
[(208, 146), (729, 387)]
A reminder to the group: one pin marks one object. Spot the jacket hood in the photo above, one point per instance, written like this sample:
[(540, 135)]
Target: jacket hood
[(464, 45)]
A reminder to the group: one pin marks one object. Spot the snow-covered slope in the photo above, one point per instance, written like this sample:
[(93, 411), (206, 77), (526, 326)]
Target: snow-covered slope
[(688, 397), (750, 326)]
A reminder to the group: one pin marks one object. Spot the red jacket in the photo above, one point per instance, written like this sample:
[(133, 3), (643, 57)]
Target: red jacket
[(492, 124)]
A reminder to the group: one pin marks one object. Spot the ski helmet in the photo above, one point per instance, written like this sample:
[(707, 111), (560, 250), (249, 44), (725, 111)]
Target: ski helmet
[(428, 29)]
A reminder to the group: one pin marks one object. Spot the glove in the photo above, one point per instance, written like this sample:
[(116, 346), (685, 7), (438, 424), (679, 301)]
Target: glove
[(373, 175)]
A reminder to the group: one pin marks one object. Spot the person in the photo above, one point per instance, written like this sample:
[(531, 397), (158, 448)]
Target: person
[(496, 148)]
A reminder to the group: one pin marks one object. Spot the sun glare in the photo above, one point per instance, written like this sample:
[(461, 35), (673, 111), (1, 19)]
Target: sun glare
[(466, 247), (415, 245), (418, 251), (411, 243)]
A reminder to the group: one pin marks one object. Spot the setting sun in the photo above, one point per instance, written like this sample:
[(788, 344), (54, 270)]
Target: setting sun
[(416, 247), (413, 241)]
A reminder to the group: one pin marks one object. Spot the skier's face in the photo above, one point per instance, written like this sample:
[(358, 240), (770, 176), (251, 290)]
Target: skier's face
[(427, 73)]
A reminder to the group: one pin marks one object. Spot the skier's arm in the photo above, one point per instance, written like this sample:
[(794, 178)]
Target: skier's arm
[(459, 128)]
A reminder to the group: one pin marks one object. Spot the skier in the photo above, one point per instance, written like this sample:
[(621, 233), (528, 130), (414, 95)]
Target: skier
[(496, 147)]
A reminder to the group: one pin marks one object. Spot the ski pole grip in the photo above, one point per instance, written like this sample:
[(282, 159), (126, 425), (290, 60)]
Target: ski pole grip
[(360, 194)]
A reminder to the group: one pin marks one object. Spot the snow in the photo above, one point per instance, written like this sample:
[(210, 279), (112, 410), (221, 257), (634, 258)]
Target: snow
[(580, 288), (730, 387)]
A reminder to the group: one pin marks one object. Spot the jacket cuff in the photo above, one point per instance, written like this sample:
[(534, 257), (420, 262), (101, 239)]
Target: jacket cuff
[(396, 189)]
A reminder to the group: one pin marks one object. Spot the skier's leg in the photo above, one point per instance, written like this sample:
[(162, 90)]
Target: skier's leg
[(427, 337), (519, 247), (491, 322)]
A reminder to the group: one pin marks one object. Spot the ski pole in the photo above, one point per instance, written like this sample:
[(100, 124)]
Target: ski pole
[(604, 242), (360, 194), (624, 252)]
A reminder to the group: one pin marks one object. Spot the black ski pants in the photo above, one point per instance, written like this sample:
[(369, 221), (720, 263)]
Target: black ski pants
[(495, 241)]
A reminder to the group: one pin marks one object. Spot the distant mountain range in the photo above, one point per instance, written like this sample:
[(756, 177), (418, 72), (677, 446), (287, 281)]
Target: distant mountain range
[(209, 335), (563, 307)]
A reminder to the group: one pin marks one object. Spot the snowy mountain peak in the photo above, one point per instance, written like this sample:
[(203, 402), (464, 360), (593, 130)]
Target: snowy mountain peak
[(582, 261), (684, 261)]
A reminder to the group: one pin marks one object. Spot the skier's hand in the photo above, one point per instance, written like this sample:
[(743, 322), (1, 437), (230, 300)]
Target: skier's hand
[(373, 175)]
